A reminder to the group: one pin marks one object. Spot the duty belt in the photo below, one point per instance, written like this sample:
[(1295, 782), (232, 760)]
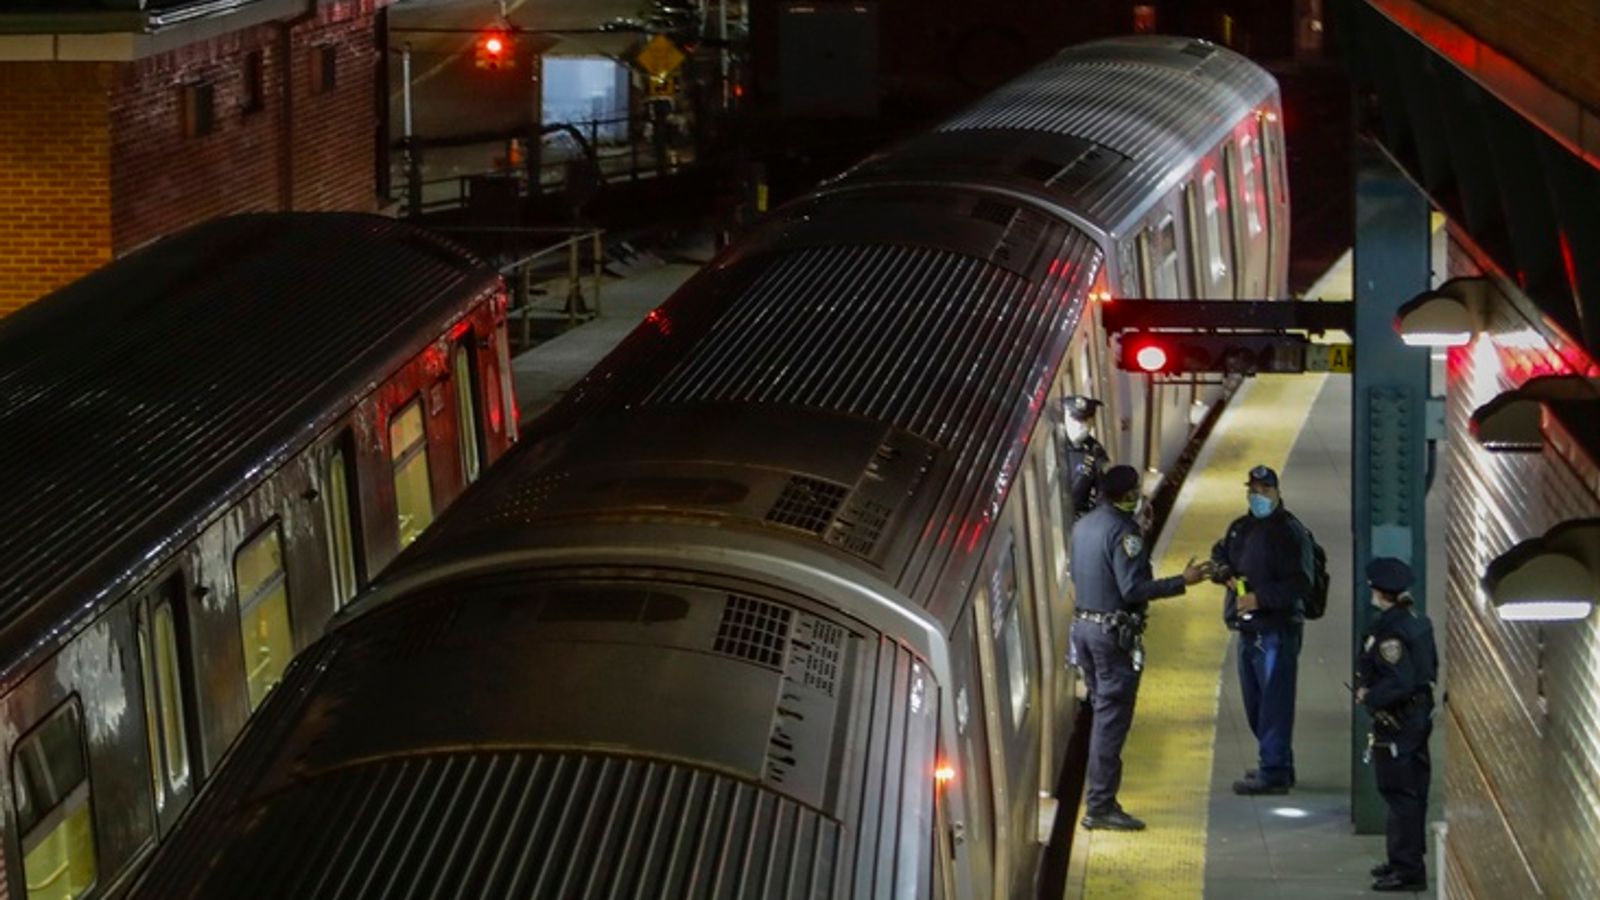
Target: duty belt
[(1099, 618)]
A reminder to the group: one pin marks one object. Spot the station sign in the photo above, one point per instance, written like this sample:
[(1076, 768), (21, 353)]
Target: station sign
[(1340, 358)]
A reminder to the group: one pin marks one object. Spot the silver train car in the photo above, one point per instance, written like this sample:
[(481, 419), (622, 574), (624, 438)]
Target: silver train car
[(775, 604), (209, 447)]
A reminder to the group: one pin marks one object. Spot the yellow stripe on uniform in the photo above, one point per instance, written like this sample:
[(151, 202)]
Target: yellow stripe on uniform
[(1166, 777)]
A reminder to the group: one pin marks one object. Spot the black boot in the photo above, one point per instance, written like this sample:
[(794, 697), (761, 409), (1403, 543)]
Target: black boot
[(1397, 883)]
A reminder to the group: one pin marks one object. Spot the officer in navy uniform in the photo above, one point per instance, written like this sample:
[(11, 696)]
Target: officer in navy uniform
[(1394, 681), (1266, 560), (1082, 457), (1113, 584)]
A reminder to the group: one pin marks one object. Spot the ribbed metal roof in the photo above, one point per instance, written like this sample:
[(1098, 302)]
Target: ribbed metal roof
[(514, 823), (1156, 101), (895, 334), (142, 399)]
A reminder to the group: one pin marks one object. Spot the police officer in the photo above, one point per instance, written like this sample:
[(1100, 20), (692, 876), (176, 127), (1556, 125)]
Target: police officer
[(1113, 584), (1394, 681), (1082, 457), (1267, 562)]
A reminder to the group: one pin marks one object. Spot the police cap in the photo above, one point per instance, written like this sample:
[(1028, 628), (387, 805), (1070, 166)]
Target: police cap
[(1080, 407), (1263, 475), (1389, 575), (1119, 481)]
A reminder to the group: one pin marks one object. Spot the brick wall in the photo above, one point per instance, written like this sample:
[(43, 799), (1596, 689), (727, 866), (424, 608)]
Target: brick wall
[(1554, 39), (335, 131), (55, 214), (163, 180)]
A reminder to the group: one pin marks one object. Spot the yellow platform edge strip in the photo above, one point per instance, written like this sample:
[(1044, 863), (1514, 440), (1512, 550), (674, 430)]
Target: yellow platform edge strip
[(1168, 758)]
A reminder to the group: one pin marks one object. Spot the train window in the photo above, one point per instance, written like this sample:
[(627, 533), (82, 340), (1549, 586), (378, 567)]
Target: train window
[(1052, 491), (160, 667), (1211, 196), (54, 814), (466, 413), (1166, 260), (408, 451), (1007, 620), (263, 612), (1250, 164), (1146, 265), (339, 518)]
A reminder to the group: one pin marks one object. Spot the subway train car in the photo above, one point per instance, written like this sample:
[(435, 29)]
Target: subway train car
[(209, 446), (775, 604)]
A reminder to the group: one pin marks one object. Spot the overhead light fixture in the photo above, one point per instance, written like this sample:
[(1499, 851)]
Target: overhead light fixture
[(1552, 578), (1514, 421), (1447, 317)]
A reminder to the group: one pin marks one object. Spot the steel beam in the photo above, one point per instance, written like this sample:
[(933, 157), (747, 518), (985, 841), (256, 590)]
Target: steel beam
[(1388, 413), (1207, 315)]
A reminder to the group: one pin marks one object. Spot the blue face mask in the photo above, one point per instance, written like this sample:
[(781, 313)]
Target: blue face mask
[(1261, 505)]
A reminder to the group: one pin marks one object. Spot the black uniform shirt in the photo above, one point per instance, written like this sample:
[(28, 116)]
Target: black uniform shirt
[(1085, 462), (1398, 659), (1111, 564)]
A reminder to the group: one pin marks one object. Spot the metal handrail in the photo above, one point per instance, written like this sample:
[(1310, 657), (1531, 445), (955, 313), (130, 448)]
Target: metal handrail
[(656, 157), (519, 271)]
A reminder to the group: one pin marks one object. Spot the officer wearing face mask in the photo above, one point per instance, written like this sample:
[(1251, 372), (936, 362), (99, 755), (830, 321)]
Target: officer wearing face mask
[(1082, 457), (1394, 681), (1113, 586), (1266, 561)]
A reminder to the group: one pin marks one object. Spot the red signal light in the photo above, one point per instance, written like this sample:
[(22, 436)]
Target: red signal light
[(1151, 358), (493, 50)]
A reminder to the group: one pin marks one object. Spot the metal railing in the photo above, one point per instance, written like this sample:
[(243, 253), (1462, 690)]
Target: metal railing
[(576, 261), (497, 163)]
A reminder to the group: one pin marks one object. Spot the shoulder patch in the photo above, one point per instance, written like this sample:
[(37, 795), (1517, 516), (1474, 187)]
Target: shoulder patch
[(1132, 544), (1391, 649)]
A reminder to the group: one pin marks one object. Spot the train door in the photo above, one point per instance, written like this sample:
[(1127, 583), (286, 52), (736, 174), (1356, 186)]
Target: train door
[(341, 520), (468, 421), (1216, 269), (1277, 203), (975, 827), (1249, 202), (1054, 617), (1005, 615), (162, 634), (1161, 272)]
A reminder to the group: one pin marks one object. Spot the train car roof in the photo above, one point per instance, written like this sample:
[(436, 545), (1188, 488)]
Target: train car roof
[(144, 398), (1098, 129)]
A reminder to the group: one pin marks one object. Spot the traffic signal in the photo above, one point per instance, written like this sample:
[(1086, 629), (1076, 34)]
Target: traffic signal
[(1177, 352), (493, 50)]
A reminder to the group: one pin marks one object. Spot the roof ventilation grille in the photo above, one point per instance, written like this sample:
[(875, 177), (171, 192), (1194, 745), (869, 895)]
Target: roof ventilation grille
[(807, 504), (754, 630)]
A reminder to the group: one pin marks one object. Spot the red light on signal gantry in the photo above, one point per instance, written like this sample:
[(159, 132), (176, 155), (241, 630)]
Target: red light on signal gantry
[(1151, 358)]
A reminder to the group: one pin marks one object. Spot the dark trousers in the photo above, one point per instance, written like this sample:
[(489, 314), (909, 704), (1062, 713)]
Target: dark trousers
[(1113, 686), (1269, 663), (1403, 781)]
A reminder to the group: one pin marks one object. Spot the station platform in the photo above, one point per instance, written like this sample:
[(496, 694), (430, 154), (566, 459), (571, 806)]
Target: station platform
[(1190, 740), (542, 375)]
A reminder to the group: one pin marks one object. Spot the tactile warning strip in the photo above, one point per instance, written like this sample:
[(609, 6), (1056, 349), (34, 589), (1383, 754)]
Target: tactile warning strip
[(1167, 760)]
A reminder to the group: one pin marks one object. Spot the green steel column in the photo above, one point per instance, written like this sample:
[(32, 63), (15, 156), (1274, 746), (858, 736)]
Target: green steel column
[(1388, 411)]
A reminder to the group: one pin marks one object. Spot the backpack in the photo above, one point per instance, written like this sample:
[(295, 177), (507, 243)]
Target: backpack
[(1317, 600)]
